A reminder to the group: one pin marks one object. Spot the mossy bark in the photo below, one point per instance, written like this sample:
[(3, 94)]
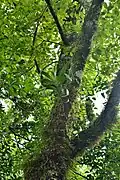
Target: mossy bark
[(53, 162)]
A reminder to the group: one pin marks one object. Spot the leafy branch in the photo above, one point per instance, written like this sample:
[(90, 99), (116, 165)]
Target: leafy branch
[(34, 40), (36, 30)]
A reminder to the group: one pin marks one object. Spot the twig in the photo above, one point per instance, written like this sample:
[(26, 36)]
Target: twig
[(49, 65), (79, 174), (57, 43), (37, 66)]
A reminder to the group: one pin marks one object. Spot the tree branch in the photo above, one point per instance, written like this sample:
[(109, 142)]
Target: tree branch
[(37, 67), (36, 30), (64, 39), (84, 42), (90, 136), (34, 39)]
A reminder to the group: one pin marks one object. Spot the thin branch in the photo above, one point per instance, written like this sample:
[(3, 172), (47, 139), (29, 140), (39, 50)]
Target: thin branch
[(57, 43), (57, 22), (19, 135), (79, 174), (25, 72), (34, 40), (49, 65), (35, 34), (39, 70), (36, 30), (37, 67), (90, 136)]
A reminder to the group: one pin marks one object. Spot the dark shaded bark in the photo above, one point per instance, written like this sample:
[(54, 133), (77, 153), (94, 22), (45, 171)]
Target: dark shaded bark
[(107, 118), (54, 160), (51, 164)]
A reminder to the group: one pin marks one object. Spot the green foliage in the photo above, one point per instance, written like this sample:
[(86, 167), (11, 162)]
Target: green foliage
[(102, 162), (26, 99)]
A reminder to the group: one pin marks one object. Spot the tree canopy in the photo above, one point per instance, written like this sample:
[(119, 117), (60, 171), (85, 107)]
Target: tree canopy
[(59, 89)]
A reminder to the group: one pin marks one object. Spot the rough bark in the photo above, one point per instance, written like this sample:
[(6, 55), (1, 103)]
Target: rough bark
[(106, 119), (54, 160)]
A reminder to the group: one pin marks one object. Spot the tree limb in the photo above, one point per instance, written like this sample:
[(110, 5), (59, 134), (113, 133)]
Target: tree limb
[(37, 67), (36, 30), (90, 136), (88, 30)]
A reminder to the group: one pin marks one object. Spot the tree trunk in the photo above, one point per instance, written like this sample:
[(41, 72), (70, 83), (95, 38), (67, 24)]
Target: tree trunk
[(54, 160)]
